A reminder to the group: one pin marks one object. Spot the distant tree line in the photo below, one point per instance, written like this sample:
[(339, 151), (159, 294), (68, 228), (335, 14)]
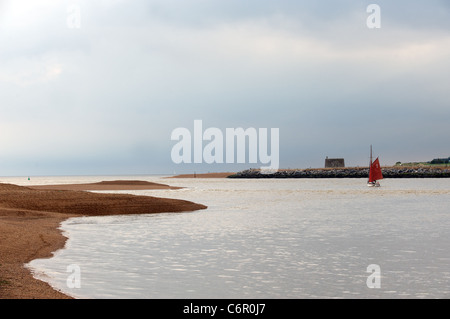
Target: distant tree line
[(440, 161), (434, 161)]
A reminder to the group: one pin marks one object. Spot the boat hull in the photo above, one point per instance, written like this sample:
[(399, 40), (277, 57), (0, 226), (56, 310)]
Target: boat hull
[(373, 184)]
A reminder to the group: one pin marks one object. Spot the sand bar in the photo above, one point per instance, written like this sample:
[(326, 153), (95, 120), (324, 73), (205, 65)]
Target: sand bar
[(106, 186), (29, 221)]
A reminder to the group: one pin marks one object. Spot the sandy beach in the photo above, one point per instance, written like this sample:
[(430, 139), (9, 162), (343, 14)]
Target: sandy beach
[(30, 217)]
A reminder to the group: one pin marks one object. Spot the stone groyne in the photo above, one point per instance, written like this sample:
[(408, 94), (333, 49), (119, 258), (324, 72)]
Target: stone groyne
[(350, 172)]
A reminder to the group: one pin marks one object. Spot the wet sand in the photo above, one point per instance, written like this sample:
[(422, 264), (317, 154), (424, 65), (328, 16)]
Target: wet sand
[(29, 222)]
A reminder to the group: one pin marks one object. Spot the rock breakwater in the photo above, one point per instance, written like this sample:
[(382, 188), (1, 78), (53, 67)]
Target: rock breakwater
[(350, 172)]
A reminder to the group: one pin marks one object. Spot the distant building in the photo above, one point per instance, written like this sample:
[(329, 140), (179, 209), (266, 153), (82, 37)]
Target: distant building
[(334, 162)]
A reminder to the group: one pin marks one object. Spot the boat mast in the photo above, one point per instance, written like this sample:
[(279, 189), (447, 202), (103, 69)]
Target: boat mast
[(370, 164)]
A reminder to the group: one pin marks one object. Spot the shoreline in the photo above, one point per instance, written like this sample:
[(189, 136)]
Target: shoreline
[(29, 228)]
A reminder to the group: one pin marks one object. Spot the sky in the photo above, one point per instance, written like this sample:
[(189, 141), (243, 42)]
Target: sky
[(96, 87)]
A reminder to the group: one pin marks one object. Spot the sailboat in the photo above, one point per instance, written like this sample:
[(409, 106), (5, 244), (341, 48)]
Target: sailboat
[(374, 172)]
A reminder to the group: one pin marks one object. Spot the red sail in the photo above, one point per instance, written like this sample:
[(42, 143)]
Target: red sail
[(375, 171)]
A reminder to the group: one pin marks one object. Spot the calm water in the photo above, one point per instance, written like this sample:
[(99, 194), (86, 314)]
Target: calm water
[(293, 238)]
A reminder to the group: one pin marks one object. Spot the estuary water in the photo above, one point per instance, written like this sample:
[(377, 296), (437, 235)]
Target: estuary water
[(285, 238)]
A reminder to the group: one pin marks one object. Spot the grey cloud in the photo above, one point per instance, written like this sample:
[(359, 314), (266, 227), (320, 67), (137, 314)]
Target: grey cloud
[(110, 93)]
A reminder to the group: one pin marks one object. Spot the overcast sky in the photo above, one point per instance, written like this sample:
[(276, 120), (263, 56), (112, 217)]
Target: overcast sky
[(101, 94)]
